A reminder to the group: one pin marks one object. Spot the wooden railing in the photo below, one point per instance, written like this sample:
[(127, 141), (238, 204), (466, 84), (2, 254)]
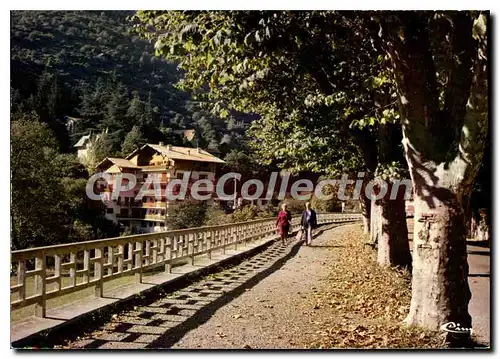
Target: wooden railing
[(91, 263)]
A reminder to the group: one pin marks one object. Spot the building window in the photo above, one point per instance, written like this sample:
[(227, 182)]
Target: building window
[(126, 200), (144, 199), (162, 224), (119, 200)]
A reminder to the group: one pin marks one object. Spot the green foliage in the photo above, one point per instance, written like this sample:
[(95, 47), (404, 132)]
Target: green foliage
[(133, 140), (126, 232), (295, 206), (290, 69), (245, 213), (240, 162), (329, 205), (188, 214), (391, 171), (34, 188), (215, 216), (49, 204), (101, 148), (86, 64)]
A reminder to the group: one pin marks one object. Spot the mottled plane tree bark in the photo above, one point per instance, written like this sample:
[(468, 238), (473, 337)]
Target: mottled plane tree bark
[(444, 109)]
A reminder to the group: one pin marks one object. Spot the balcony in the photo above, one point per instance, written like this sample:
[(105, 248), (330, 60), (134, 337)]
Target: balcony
[(157, 204), (159, 217)]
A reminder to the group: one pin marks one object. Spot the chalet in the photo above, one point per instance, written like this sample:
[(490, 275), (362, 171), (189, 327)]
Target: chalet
[(163, 162)]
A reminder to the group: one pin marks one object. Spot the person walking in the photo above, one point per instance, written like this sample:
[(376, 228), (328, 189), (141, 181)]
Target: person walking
[(283, 222), (308, 222)]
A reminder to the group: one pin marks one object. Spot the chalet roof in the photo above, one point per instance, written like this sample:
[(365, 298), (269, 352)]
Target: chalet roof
[(81, 142), (181, 153), (120, 162)]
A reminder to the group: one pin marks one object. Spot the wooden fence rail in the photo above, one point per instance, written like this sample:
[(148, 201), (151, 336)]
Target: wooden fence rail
[(92, 263)]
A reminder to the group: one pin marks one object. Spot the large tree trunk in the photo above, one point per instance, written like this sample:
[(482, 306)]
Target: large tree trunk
[(375, 222), (393, 246), (367, 144), (443, 148), (440, 290), (389, 229), (366, 205)]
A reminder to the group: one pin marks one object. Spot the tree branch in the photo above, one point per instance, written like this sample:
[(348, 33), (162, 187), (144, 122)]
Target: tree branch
[(415, 74), (460, 79)]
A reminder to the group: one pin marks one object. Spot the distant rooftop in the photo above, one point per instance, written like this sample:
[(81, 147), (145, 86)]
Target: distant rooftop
[(81, 142), (185, 153), (120, 162), (181, 153)]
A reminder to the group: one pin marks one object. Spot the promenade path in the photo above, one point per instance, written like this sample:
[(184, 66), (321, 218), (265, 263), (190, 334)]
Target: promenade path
[(252, 305), (262, 303)]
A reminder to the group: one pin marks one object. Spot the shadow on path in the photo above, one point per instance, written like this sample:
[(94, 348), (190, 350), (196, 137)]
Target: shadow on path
[(480, 253), (487, 275), (174, 334), (484, 244), (161, 320)]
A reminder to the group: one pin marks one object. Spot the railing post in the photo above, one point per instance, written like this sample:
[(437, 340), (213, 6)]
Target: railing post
[(111, 261), (138, 261), (130, 256), (235, 237), (98, 272), (154, 252), (121, 254), (210, 244), (40, 309), (224, 240), (148, 253), (57, 270), (86, 266), (168, 254), (72, 269), (190, 238), (163, 250), (21, 278)]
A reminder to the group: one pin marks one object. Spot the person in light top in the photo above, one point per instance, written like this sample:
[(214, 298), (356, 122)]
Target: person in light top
[(308, 222)]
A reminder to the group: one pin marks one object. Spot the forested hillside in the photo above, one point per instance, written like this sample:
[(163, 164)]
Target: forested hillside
[(85, 67), (87, 64)]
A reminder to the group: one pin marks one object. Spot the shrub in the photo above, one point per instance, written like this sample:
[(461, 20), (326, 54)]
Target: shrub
[(188, 214)]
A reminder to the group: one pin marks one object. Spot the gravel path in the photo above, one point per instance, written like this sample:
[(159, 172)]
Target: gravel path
[(259, 303), (271, 314), (272, 300)]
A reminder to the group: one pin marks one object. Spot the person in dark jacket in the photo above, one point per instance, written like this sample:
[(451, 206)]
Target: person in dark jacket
[(309, 222), (283, 222)]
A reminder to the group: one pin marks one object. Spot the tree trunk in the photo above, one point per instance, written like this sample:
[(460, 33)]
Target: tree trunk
[(440, 289), (389, 230), (366, 211), (393, 246), (443, 146), (375, 222)]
